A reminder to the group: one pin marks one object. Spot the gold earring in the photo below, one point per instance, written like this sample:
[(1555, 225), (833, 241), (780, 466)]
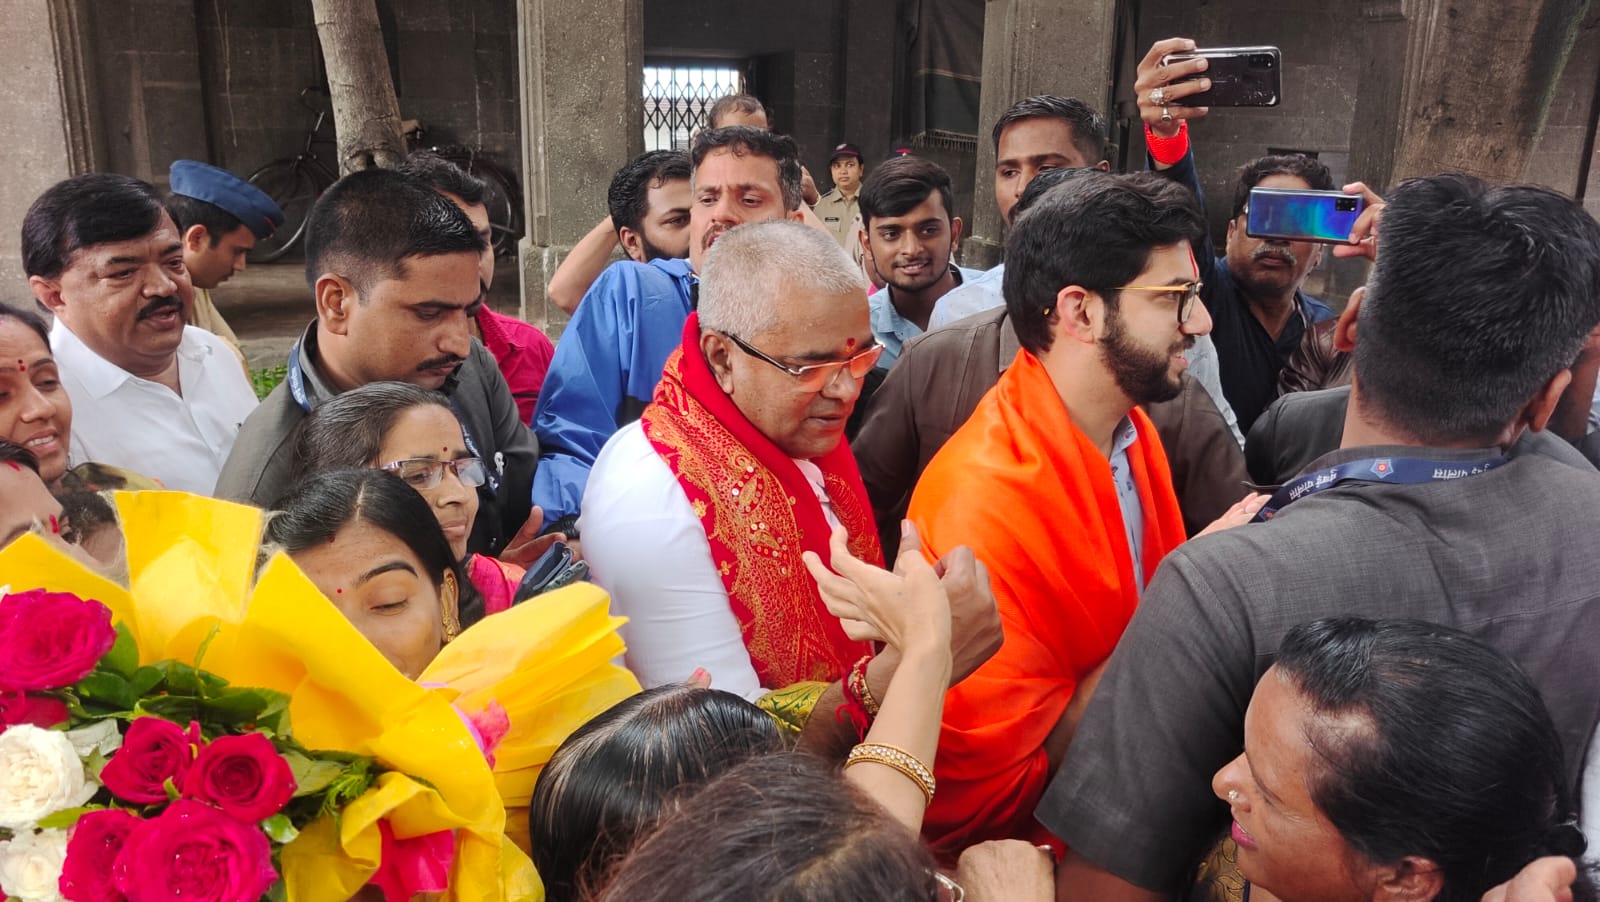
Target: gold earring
[(449, 603)]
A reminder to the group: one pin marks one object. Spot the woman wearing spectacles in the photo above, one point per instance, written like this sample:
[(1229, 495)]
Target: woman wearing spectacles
[(412, 433)]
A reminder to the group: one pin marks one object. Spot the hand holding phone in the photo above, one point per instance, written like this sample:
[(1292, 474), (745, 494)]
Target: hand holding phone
[(1293, 214), (1240, 76)]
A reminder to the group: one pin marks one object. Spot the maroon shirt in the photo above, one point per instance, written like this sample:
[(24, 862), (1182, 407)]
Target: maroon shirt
[(523, 353)]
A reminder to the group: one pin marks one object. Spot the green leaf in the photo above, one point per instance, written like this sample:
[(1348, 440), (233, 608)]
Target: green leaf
[(200, 653), (66, 818), (123, 658), (172, 790), (177, 709), (312, 776), (145, 679), (279, 830), (108, 689)]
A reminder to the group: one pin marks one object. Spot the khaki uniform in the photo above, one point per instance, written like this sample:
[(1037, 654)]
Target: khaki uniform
[(842, 216), (205, 315)]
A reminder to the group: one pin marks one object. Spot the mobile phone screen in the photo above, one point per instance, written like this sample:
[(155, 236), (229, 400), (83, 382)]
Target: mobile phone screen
[(1302, 215)]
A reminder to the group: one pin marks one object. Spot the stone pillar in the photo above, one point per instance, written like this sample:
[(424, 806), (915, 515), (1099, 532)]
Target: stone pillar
[(1392, 49), (1034, 47), (45, 115), (581, 63)]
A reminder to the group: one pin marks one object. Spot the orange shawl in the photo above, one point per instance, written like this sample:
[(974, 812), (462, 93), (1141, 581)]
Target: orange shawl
[(1034, 498), (759, 513)]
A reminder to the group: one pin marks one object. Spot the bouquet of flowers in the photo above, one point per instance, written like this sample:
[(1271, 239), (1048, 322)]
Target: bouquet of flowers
[(127, 781), (146, 748)]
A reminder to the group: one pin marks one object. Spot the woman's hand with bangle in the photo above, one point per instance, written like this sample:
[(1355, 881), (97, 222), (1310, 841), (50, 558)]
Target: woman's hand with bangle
[(907, 609)]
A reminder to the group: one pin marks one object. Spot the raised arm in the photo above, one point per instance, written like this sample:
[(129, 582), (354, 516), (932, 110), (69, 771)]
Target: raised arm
[(582, 265)]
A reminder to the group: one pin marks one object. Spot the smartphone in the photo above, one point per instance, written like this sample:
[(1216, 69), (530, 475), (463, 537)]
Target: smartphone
[(1240, 76), (554, 569), (1302, 214)]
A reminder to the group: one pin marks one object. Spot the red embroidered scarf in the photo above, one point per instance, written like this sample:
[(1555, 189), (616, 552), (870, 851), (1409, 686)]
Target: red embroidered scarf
[(759, 513)]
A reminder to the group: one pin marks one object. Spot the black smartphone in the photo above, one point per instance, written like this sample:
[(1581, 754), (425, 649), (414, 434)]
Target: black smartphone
[(552, 570), (1240, 76), (1302, 214)]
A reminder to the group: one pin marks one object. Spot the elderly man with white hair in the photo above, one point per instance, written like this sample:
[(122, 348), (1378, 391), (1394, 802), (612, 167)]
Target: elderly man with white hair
[(695, 517)]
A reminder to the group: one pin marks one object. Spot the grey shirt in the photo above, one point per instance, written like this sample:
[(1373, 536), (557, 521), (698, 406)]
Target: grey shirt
[(1507, 555)]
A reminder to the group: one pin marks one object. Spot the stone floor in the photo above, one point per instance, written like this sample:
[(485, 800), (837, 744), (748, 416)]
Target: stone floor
[(268, 305)]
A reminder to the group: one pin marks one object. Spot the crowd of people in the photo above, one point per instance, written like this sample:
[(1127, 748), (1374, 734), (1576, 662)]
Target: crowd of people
[(1125, 570)]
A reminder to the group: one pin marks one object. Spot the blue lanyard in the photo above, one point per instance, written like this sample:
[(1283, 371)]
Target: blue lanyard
[(1398, 470), (297, 390)]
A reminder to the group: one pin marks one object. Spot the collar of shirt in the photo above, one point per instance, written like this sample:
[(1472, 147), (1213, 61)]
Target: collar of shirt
[(819, 487), (1124, 437), (1345, 455), (894, 330), (99, 376)]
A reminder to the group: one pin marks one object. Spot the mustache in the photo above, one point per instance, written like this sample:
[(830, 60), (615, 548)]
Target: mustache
[(159, 306), (440, 363), (1281, 253)]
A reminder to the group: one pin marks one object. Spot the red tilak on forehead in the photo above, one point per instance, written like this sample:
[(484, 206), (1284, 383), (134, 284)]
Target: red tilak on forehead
[(1193, 265), (55, 525), (13, 465), (849, 343)]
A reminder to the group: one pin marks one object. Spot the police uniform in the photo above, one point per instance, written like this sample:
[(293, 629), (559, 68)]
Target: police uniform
[(841, 214)]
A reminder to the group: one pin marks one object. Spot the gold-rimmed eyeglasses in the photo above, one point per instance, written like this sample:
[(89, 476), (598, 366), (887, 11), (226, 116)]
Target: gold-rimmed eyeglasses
[(1185, 293), (816, 376)]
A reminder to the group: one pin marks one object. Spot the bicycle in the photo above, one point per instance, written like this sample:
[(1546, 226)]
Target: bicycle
[(295, 183)]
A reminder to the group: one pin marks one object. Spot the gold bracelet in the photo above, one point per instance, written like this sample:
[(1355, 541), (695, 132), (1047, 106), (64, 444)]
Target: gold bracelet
[(857, 684), (897, 758)]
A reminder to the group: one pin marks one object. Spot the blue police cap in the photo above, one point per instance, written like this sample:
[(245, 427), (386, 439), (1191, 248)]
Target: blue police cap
[(248, 204)]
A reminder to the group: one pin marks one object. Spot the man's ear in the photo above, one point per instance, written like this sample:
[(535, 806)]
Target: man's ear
[(1103, 166), (955, 233), (631, 244), (196, 238), (48, 293), (1537, 412), (1413, 879), (718, 351), (1078, 313), (335, 296), (1344, 332)]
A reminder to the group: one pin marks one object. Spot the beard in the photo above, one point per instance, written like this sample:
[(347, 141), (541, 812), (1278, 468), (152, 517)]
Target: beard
[(1143, 374)]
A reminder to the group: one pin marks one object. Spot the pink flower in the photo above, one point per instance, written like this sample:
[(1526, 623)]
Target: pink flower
[(49, 640), (40, 710), (488, 727), (243, 775), (417, 865), (153, 752), (194, 852), (96, 841)]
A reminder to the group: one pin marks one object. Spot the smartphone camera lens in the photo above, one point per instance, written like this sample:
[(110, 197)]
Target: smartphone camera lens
[(1345, 205), (1261, 61)]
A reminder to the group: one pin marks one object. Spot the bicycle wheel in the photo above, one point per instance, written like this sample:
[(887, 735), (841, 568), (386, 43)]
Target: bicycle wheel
[(500, 197), (294, 188)]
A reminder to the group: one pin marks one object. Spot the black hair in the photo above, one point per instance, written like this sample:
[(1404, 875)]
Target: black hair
[(1456, 761), (735, 103), (17, 455), (1450, 355), (1309, 169), (367, 224), (28, 318), (346, 431), (897, 185), (785, 828), (1095, 230), (745, 139), (1088, 127), (440, 174), (628, 199), (189, 211), (320, 505), (82, 211), (608, 782)]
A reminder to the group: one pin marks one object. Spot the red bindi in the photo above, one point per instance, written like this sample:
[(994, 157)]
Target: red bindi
[(55, 525), (13, 465), (338, 591)]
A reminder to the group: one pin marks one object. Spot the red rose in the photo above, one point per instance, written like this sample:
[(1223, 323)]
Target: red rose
[(43, 711), (194, 852), (243, 775), (50, 639), (153, 752), (96, 840)]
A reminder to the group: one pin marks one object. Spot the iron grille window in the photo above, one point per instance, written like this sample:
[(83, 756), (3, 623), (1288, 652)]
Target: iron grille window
[(678, 99)]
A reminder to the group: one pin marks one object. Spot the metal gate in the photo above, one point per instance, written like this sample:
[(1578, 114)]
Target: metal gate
[(678, 99)]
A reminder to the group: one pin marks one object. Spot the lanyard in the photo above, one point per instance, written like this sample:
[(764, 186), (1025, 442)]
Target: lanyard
[(1398, 470), (297, 390)]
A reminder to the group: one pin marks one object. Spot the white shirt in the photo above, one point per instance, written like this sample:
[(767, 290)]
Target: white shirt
[(646, 547), (143, 426)]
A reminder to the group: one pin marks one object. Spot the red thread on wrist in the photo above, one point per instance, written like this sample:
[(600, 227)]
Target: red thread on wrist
[(1167, 151)]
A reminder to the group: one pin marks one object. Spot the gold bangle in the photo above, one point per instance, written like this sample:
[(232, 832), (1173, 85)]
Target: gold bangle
[(897, 758), (857, 683)]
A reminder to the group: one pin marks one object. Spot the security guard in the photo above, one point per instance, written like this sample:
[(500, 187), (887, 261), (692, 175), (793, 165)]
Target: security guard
[(838, 208)]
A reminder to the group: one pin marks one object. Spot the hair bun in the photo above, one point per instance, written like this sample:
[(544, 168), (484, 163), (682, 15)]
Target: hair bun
[(1565, 839)]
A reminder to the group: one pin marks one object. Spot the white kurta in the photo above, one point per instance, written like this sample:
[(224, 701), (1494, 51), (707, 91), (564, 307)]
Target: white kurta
[(645, 546), (143, 426)]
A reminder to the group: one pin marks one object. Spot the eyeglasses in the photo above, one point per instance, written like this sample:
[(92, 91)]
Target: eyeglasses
[(423, 473), (816, 376), (949, 890), (1185, 294)]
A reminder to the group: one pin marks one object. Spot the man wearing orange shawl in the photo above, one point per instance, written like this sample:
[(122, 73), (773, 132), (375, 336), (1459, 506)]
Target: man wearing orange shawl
[(1059, 483), (695, 517)]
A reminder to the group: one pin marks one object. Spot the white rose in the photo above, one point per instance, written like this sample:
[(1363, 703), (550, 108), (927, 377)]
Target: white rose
[(40, 774), (101, 736), (30, 865)]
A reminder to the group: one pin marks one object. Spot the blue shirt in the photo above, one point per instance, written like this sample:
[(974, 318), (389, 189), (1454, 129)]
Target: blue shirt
[(893, 330), (605, 371), (978, 294)]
